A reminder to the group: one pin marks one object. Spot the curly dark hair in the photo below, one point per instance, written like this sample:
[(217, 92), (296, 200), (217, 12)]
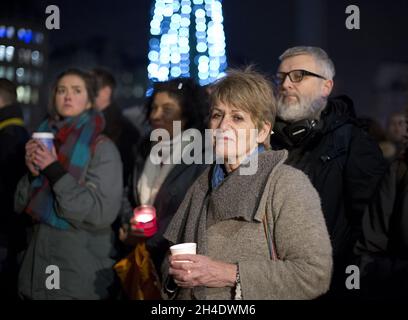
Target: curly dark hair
[(193, 99)]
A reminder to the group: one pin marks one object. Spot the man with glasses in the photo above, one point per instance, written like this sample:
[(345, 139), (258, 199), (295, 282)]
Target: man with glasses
[(325, 141)]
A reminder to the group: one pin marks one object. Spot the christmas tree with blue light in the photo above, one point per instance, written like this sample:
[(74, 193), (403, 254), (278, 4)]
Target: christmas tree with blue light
[(187, 40)]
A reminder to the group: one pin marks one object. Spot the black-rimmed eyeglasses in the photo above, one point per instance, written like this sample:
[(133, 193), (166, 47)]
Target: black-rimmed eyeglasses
[(295, 76)]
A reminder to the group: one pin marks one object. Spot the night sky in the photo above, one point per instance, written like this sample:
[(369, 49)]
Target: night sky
[(257, 32)]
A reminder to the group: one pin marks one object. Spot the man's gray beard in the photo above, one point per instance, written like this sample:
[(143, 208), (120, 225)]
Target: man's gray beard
[(307, 108)]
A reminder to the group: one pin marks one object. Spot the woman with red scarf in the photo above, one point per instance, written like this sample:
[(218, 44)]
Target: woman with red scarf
[(73, 194)]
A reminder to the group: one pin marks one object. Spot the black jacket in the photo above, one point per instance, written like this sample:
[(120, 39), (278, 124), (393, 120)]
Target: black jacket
[(122, 132), (383, 248), (344, 164), (167, 201), (12, 167)]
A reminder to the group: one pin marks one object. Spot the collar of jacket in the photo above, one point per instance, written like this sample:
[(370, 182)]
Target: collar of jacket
[(339, 111), (235, 198), (239, 196)]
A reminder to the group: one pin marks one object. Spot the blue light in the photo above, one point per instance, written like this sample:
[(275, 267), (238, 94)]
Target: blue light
[(200, 27), (203, 75), (168, 11), (175, 72), (203, 67), (183, 42), (164, 59), (186, 9), (176, 6), (10, 32), (20, 34), (176, 18), (204, 82), (200, 20), (214, 65), (38, 37), (149, 92), (155, 32), (185, 69), (153, 55), (153, 68), (163, 73), (185, 22), (201, 47), (185, 63), (200, 13), (200, 35), (175, 58), (203, 60), (184, 56), (155, 24), (183, 32)]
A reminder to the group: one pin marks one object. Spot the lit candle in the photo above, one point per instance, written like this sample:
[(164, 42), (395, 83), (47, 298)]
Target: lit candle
[(144, 217), (144, 221)]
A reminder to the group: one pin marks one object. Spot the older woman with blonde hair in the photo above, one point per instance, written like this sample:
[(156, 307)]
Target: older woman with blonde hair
[(260, 233)]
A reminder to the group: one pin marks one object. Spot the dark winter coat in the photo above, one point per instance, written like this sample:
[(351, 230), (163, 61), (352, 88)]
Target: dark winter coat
[(13, 137), (84, 252), (345, 165), (121, 131), (383, 248)]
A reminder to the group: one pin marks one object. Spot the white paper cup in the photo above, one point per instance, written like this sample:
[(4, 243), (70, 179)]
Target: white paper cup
[(47, 138), (184, 248)]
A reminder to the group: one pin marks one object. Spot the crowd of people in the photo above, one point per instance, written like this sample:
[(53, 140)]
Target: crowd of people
[(328, 190)]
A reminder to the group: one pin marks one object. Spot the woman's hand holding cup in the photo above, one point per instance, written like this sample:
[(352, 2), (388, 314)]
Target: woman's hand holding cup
[(30, 147), (40, 152)]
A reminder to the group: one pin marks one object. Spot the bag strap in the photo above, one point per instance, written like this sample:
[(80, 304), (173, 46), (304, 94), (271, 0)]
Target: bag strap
[(269, 239), (11, 122)]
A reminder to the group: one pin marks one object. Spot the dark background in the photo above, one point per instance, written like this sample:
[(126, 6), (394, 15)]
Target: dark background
[(371, 63)]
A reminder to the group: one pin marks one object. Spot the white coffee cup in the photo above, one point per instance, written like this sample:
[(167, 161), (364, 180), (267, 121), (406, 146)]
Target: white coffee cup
[(184, 248), (46, 138)]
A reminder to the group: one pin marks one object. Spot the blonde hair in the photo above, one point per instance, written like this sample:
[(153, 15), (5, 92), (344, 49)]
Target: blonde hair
[(247, 90)]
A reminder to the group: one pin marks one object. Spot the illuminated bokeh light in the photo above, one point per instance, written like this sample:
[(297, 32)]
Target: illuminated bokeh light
[(185, 35)]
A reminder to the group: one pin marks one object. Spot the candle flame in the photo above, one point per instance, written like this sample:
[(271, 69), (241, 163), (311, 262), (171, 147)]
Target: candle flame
[(144, 217)]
